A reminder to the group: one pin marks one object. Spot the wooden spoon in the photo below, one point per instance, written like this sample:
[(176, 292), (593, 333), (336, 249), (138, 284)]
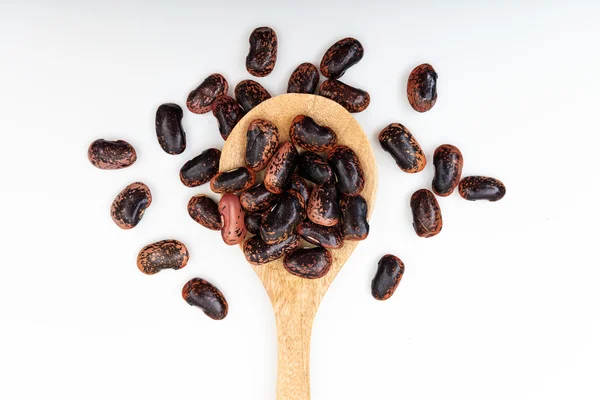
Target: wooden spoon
[(296, 300)]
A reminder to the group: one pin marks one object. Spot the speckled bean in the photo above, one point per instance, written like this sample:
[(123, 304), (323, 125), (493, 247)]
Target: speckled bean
[(200, 293), (319, 235), (280, 168), (205, 211), (427, 216), (422, 88), (129, 206), (347, 169), (250, 93), (166, 254), (253, 221), (340, 56), (354, 100), (312, 263), (448, 163), (353, 222), (262, 139), (257, 252), (235, 180), (309, 135), (262, 55), (200, 100), (481, 188), (299, 185), (323, 207), (169, 131), (389, 273), (314, 168), (282, 220), (233, 217), (304, 79), (403, 147), (257, 198), (200, 169), (228, 113), (107, 154)]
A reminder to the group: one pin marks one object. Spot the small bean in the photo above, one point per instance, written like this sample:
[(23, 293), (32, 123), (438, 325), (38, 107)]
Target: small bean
[(253, 221), (323, 207), (228, 113), (262, 139), (280, 168), (200, 293), (200, 100), (166, 254), (205, 211), (427, 216), (422, 88), (129, 206), (299, 185), (257, 198), (200, 169), (262, 55), (250, 93), (310, 263), (304, 79), (314, 168), (340, 56), (448, 163), (319, 235), (235, 180), (309, 135), (354, 100), (481, 188), (282, 220), (107, 154), (347, 169), (403, 147), (389, 273), (233, 216), (169, 131), (257, 252), (353, 223)]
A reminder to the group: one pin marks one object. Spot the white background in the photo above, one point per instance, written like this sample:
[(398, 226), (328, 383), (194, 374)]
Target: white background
[(504, 303)]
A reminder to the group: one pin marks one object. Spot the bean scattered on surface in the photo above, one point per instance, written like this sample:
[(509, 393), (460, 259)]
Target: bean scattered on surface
[(481, 188), (326, 236), (448, 163), (107, 154), (282, 220), (309, 135), (354, 224), (233, 217), (340, 56), (129, 206), (228, 113), (250, 93), (200, 293), (389, 273), (262, 55), (354, 100), (200, 169), (299, 185), (347, 169), (427, 216), (235, 180), (205, 211), (262, 139), (166, 254), (253, 221), (422, 88), (311, 263), (314, 168), (403, 147), (280, 168), (200, 100), (323, 206), (304, 79), (257, 198), (169, 131), (257, 252)]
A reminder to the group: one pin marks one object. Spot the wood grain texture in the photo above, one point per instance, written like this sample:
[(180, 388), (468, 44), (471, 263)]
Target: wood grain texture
[(296, 300)]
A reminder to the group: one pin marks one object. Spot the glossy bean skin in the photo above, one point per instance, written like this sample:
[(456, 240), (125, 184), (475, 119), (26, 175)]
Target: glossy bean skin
[(233, 217), (389, 273), (200, 293), (299, 185), (108, 154), (253, 221), (403, 147), (200, 169), (481, 188), (262, 55), (205, 211), (169, 131), (348, 170), (228, 113), (354, 100), (236, 180), (314, 168), (304, 79), (280, 168), (249, 94), (257, 252), (422, 88), (129, 206), (323, 206), (262, 140), (319, 235), (309, 135), (282, 220), (312, 263), (257, 198), (166, 254), (448, 163), (353, 223), (200, 100), (427, 216), (340, 56)]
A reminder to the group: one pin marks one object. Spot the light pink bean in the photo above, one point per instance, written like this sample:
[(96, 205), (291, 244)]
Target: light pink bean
[(232, 214)]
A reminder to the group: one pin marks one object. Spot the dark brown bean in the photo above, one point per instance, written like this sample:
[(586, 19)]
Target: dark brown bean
[(107, 154), (262, 55), (481, 188), (304, 79), (389, 273), (323, 206), (166, 254), (228, 113), (427, 216), (257, 252), (169, 131), (299, 185), (347, 169), (326, 236), (200, 100), (310, 263), (262, 139), (352, 99), (282, 220), (233, 181), (340, 56), (403, 147), (280, 168), (313, 167), (250, 93), (353, 223), (205, 211), (129, 206), (257, 198), (233, 217), (253, 221), (422, 88), (200, 293), (200, 169), (448, 163), (309, 135)]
